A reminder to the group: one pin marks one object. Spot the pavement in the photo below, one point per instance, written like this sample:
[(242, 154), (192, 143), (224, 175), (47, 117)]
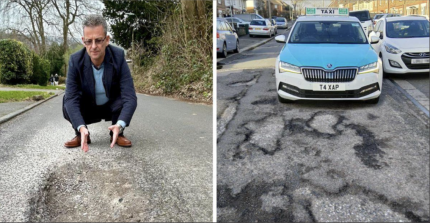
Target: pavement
[(248, 43), (10, 110), (165, 176)]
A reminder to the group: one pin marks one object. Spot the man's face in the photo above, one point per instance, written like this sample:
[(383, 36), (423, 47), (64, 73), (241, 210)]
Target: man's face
[(92, 39)]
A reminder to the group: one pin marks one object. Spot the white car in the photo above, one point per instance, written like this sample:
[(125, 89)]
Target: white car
[(227, 38), (365, 20), (281, 22), (404, 44), (378, 17), (327, 56), (261, 27)]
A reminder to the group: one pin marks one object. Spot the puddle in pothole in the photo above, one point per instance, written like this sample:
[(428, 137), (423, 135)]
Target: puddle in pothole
[(81, 193)]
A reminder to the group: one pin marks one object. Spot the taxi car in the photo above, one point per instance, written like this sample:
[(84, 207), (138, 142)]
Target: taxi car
[(403, 45), (327, 56)]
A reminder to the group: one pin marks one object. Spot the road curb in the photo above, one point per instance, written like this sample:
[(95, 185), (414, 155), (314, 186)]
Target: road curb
[(411, 98), (256, 45), (249, 48), (16, 113)]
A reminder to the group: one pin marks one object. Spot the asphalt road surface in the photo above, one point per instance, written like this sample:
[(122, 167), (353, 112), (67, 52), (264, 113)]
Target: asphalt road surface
[(315, 161), (165, 176)]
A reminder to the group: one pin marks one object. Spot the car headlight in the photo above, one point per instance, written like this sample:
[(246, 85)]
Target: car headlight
[(286, 67), (369, 68), (391, 49)]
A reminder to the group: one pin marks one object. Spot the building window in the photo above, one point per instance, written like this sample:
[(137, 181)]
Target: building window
[(219, 1)]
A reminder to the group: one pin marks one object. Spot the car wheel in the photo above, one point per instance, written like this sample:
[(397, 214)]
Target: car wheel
[(283, 100), (373, 101), (276, 32), (224, 51), (251, 35), (237, 47)]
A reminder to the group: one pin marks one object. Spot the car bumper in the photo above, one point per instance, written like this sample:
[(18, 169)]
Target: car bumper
[(259, 32), (406, 66), (293, 86), (219, 45)]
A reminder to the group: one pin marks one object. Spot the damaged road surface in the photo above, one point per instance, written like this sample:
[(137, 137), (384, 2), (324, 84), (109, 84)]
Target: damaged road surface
[(318, 161), (166, 176)]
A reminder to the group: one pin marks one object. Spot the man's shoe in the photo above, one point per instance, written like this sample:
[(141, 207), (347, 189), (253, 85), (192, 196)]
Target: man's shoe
[(76, 142), (122, 141)]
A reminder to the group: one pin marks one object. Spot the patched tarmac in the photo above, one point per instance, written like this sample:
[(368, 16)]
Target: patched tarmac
[(318, 160)]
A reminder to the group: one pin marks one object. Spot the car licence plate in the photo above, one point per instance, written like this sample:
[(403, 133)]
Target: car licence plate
[(257, 28), (419, 61), (329, 87)]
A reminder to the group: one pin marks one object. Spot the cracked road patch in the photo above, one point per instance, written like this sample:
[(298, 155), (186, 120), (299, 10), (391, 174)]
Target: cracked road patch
[(82, 193), (319, 161)]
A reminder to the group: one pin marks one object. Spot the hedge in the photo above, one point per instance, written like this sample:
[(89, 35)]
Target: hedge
[(15, 62)]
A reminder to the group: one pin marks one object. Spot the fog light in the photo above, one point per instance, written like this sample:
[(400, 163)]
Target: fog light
[(368, 89), (394, 64), (289, 88)]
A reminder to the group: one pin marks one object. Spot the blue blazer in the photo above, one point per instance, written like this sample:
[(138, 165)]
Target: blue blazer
[(80, 96)]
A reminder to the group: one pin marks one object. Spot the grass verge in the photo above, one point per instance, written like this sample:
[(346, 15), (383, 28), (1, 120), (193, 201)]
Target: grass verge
[(14, 96), (34, 86)]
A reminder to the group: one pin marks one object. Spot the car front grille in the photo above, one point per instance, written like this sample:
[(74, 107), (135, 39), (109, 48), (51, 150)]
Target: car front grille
[(321, 75), (407, 59)]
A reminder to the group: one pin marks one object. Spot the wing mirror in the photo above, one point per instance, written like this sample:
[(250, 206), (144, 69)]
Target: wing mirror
[(374, 39), (280, 39)]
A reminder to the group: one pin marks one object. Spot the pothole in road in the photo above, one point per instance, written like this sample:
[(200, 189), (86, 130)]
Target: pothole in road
[(266, 101), (247, 83), (83, 193), (324, 123)]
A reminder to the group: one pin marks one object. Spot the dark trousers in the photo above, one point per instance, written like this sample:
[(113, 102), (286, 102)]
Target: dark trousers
[(94, 115)]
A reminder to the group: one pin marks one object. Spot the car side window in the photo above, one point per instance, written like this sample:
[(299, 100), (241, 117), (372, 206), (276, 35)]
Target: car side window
[(228, 27), (219, 25), (224, 26)]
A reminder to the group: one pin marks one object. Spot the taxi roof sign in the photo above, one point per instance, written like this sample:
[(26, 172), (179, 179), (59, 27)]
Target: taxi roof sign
[(327, 11)]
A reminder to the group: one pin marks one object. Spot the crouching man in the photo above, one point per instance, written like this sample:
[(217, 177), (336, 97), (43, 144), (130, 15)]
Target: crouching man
[(99, 86)]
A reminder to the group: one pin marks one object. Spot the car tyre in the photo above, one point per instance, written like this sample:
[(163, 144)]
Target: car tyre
[(224, 51), (373, 101), (283, 100), (237, 47), (251, 35), (384, 74)]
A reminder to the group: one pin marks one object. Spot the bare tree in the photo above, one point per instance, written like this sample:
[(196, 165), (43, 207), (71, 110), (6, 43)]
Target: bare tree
[(69, 11), (32, 10), (297, 4)]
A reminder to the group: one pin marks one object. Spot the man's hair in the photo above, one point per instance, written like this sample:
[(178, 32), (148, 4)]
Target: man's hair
[(95, 20)]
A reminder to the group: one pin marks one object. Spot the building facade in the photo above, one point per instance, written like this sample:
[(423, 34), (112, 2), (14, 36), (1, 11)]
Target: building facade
[(402, 7)]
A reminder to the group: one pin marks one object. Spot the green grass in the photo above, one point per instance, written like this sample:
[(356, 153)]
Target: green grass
[(33, 86), (14, 96)]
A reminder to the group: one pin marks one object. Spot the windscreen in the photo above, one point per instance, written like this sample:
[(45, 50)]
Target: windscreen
[(258, 23), (362, 16), (377, 17), (328, 32), (280, 20), (408, 29)]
